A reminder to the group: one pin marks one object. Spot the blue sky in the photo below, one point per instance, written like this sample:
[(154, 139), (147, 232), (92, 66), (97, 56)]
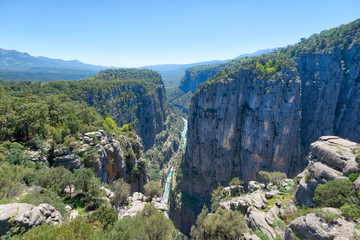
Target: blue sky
[(136, 33)]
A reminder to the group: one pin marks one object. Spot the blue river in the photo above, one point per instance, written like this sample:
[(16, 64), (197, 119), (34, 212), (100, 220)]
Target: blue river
[(165, 198)]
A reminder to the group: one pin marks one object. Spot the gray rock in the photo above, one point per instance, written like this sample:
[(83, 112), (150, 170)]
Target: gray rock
[(27, 216), (287, 211), (257, 221), (314, 227), (254, 185)]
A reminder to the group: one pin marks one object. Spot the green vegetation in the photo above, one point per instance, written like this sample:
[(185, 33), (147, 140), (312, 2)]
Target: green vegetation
[(121, 191), (328, 216), (236, 181), (146, 225), (275, 177), (351, 211), (36, 198), (106, 215), (261, 235), (78, 228), (122, 89), (353, 176), (222, 224), (334, 193), (152, 189), (216, 196)]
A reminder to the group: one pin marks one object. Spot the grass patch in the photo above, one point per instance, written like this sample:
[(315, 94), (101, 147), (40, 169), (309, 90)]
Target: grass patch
[(328, 216)]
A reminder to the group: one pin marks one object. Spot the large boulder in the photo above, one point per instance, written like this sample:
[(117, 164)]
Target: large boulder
[(330, 158), (27, 216), (259, 221), (138, 201), (313, 227)]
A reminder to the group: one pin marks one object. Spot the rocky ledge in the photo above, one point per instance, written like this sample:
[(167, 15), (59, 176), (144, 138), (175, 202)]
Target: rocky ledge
[(330, 158), (27, 216), (138, 201)]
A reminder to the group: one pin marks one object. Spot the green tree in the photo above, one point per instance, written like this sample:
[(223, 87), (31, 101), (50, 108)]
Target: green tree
[(216, 197), (10, 178), (275, 177), (236, 181), (76, 229), (148, 224), (121, 191), (152, 189), (222, 224), (334, 193), (85, 181), (198, 231), (110, 123), (106, 215)]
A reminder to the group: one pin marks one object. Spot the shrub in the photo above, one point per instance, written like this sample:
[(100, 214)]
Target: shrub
[(275, 178), (334, 193), (121, 191), (37, 142), (235, 181), (106, 215), (78, 228), (353, 176), (152, 189), (55, 179), (262, 235), (216, 197), (10, 178), (146, 225), (222, 224), (36, 197), (328, 216), (351, 211)]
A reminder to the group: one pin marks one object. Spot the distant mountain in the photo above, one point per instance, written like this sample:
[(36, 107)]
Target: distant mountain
[(14, 60), (19, 66), (172, 73)]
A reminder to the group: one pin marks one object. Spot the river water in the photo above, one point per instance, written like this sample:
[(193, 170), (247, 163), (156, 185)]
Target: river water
[(165, 198)]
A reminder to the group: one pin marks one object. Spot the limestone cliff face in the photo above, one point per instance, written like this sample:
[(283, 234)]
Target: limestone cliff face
[(194, 76), (111, 157), (238, 127), (330, 95), (134, 104)]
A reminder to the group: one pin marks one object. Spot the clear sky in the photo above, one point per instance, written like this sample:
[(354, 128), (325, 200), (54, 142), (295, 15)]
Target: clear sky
[(136, 33)]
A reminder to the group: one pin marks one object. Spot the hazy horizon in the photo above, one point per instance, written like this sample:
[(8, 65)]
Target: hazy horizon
[(141, 33)]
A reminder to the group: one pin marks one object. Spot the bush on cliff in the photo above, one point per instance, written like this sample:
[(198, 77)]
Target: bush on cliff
[(334, 193), (78, 228), (222, 224), (275, 177), (147, 224), (121, 191), (152, 189), (236, 181)]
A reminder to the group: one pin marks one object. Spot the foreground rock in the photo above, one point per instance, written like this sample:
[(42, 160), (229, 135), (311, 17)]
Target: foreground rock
[(313, 227), (138, 201), (27, 216), (109, 156), (330, 158)]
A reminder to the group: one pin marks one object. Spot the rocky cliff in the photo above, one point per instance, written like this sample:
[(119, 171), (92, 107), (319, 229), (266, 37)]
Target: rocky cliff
[(131, 96), (240, 124), (112, 157)]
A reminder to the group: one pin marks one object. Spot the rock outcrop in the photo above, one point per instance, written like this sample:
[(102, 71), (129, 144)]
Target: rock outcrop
[(330, 158), (138, 201), (111, 157), (27, 216), (314, 227)]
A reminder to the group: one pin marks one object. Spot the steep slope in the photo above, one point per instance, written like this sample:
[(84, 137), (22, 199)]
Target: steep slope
[(126, 95), (262, 113)]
